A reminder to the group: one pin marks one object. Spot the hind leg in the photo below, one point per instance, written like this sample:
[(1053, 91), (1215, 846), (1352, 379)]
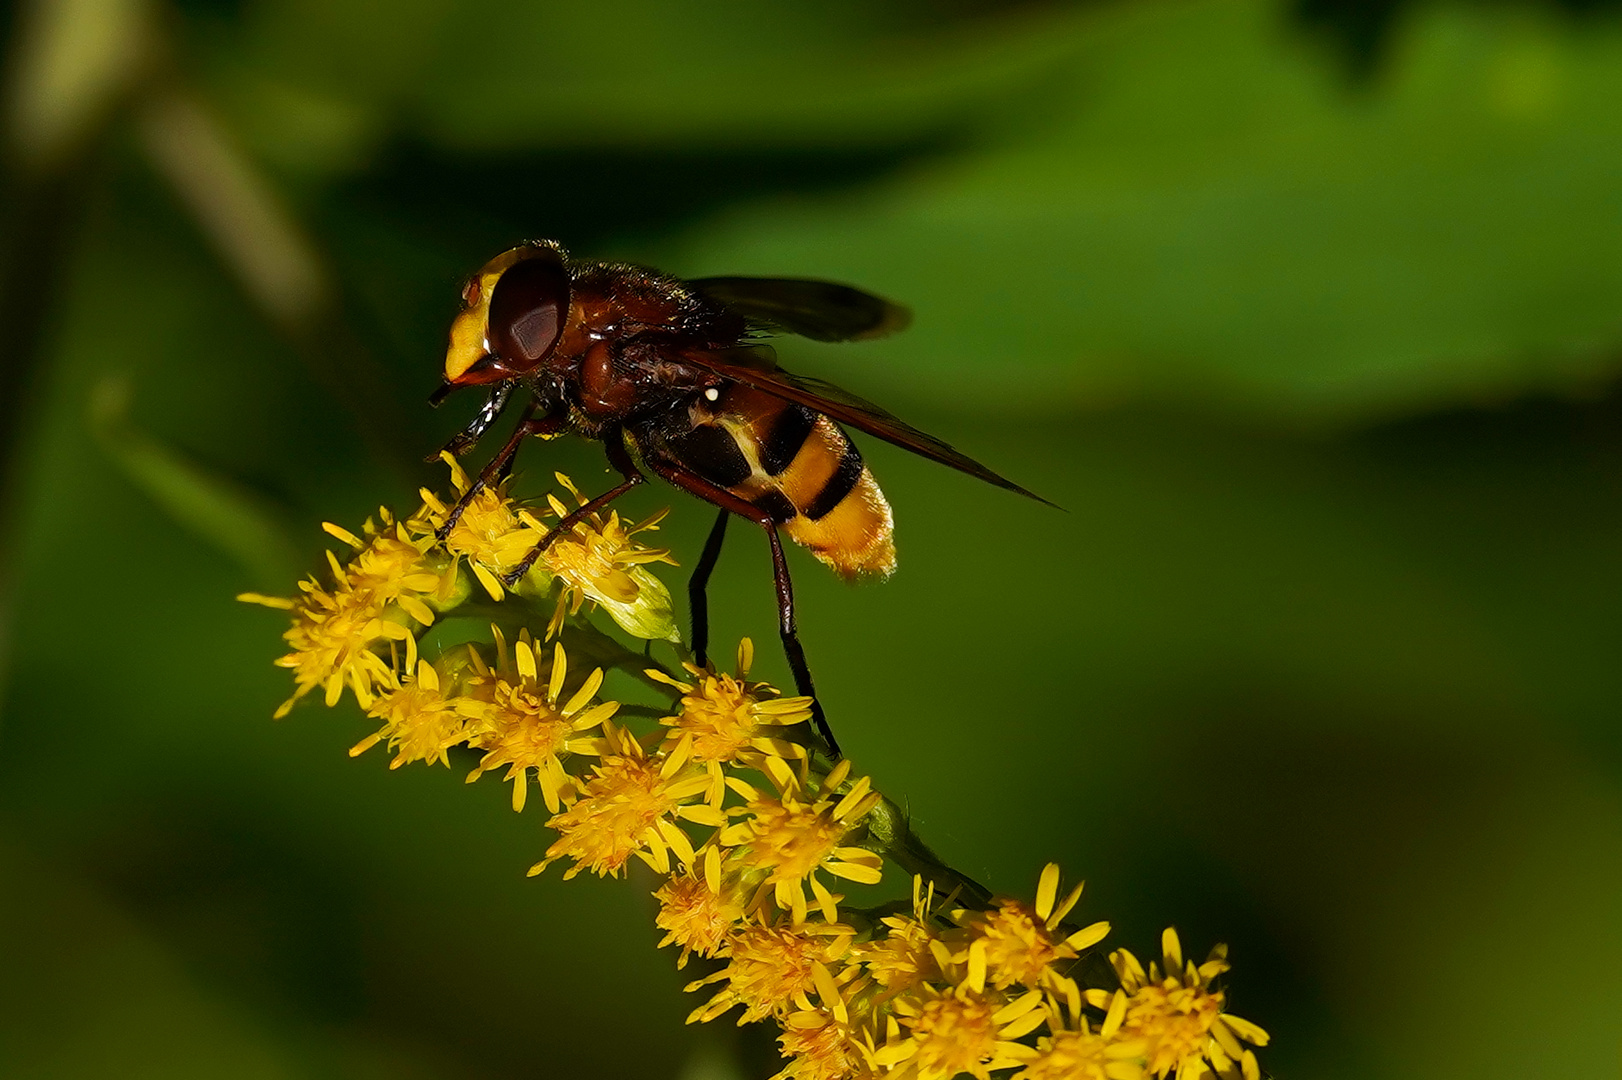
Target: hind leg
[(787, 627), (697, 599)]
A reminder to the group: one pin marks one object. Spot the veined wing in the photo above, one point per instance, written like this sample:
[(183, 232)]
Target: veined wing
[(819, 310)]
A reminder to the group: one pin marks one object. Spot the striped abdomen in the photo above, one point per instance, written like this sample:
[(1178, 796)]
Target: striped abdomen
[(799, 467)]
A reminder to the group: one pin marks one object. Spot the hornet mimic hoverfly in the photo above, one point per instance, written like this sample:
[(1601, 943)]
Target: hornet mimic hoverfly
[(672, 374)]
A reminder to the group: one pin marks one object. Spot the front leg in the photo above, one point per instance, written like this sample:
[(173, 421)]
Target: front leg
[(497, 467), (488, 414)]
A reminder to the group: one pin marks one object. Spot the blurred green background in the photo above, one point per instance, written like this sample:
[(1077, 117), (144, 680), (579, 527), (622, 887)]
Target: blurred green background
[(1309, 313)]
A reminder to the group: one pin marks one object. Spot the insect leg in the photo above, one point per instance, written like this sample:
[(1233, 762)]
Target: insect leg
[(697, 600), (506, 469), (530, 424), (787, 627), (488, 414), (617, 457)]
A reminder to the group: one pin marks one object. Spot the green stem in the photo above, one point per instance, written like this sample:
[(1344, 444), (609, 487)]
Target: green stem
[(888, 825)]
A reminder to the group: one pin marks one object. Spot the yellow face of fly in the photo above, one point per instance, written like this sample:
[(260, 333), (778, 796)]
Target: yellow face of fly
[(469, 340)]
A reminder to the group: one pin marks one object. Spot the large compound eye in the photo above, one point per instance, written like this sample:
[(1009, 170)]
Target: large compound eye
[(528, 305)]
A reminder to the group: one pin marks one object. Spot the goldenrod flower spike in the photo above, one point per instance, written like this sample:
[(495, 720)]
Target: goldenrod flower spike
[(339, 633), (906, 955), (1015, 943), (744, 824)]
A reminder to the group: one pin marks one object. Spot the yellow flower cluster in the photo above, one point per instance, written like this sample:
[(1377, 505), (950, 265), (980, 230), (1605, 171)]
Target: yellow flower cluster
[(944, 992), (347, 634), (750, 832), (351, 633)]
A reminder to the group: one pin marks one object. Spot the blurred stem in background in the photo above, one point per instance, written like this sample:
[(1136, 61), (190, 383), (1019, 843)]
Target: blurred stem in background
[(278, 265), (77, 67), (72, 63)]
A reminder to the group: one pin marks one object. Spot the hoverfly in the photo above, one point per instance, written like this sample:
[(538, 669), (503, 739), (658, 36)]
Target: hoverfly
[(673, 374)]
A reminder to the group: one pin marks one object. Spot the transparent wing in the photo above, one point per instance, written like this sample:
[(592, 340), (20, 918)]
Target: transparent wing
[(819, 310)]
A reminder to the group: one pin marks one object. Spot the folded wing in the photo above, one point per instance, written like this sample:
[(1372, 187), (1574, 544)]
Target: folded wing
[(755, 366)]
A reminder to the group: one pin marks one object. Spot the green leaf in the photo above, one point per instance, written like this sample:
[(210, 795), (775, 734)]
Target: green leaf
[(730, 74), (1201, 212)]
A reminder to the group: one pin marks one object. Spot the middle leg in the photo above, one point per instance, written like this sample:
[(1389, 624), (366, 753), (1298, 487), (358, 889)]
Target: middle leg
[(617, 457)]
